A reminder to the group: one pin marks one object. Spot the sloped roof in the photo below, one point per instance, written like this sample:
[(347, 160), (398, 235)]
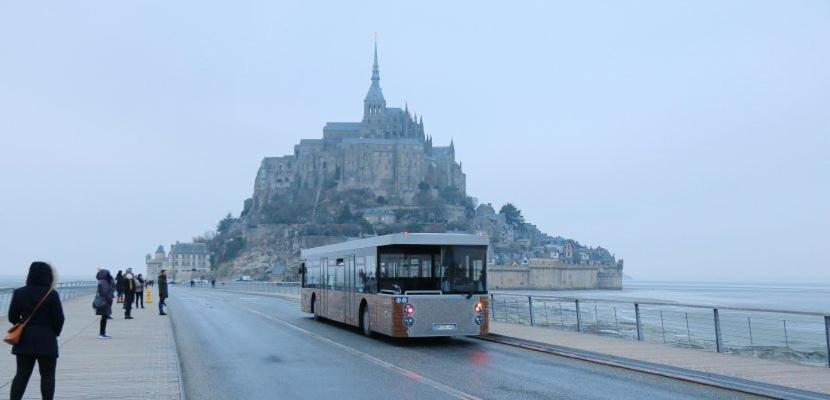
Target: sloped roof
[(189, 248), (342, 126), (383, 141)]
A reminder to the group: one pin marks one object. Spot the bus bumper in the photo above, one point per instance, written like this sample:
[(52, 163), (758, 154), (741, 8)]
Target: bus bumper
[(440, 315)]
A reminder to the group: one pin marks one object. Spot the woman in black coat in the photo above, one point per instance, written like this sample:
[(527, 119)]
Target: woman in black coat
[(105, 291), (119, 286), (39, 342)]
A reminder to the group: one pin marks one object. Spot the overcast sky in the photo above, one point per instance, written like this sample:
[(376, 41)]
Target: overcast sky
[(691, 138)]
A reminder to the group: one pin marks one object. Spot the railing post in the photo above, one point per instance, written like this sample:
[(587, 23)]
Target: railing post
[(827, 337), (717, 330), (578, 320), (530, 308), (493, 306), (688, 331), (637, 320)]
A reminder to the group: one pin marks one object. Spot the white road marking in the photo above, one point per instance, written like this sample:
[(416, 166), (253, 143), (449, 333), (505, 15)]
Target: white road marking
[(385, 364), (248, 298)]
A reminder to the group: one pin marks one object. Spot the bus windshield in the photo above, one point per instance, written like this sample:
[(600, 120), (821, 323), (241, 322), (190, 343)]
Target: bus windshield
[(449, 269)]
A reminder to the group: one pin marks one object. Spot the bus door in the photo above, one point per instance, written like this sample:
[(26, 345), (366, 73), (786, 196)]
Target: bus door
[(349, 289), (324, 284)]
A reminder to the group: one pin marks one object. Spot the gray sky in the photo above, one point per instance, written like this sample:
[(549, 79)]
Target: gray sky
[(691, 138)]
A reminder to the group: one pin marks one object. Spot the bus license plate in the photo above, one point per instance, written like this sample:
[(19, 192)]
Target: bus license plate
[(443, 327)]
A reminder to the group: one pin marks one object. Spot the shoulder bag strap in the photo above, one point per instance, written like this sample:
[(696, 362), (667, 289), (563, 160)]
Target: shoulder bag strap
[(39, 303)]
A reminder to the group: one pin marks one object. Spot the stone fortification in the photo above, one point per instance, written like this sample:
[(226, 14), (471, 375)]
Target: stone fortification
[(555, 274)]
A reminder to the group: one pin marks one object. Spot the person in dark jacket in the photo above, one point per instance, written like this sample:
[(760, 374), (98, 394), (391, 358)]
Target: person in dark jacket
[(119, 286), (39, 342), (139, 291), (162, 283), (128, 284), (105, 291)]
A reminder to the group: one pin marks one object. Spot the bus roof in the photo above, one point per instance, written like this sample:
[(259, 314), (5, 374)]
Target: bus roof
[(462, 239)]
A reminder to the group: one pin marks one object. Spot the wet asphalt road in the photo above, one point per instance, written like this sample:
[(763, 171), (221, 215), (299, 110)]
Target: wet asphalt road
[(238, 346)]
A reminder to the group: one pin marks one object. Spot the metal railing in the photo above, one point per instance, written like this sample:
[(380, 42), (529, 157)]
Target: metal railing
[(283, 288), (67, 290), (803, 337)]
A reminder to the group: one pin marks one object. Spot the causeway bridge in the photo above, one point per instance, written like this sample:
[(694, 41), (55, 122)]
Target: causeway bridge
[(251, 341)]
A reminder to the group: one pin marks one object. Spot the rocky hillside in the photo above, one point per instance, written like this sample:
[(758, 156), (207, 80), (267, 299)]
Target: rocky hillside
[(287, 220)]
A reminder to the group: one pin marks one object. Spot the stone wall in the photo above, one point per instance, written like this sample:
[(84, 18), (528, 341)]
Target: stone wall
[(551, 274), (500, 277), (609, 278)]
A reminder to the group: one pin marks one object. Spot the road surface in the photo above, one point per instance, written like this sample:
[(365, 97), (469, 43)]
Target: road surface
[(241, 346)]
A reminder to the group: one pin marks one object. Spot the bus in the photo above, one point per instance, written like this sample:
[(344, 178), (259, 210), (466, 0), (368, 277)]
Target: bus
[(400, 285)]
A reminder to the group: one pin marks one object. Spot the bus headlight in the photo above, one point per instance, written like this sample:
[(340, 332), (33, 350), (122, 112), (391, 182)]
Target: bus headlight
[(409, 309), (479, 307)]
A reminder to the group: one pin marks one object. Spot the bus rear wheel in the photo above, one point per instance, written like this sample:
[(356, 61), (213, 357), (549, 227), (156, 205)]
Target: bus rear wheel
[(314, 306), (364, 322)]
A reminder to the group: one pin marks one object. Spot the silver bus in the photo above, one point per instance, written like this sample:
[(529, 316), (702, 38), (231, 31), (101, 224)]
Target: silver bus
[(400, 285)]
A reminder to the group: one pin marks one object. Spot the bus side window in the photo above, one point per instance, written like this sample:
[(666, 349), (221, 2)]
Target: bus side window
[(312, 274), (330, 273), (340, 274), (371, 280), (361, 280)]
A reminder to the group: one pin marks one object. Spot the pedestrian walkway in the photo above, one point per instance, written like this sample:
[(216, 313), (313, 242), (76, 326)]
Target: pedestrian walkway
[(815, 379), (139, 362)]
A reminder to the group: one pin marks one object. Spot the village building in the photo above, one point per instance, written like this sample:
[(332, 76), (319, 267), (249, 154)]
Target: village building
[(185, 261)]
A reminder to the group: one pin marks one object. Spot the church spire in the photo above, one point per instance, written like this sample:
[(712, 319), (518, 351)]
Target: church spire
[(375, 68), (374, 105)]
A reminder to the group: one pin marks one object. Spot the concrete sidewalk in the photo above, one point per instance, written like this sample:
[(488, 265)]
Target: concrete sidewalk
[(815, 379), (139, 362)]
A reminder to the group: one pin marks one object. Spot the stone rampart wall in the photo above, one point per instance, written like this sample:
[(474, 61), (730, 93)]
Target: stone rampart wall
[(542, 274)]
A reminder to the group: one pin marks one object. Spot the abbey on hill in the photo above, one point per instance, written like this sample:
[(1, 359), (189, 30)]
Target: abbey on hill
[(384, 175), (387, 153)]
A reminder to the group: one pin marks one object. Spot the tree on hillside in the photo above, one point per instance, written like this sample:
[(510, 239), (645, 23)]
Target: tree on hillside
[(225, 224), (512, 215), (345, 216)]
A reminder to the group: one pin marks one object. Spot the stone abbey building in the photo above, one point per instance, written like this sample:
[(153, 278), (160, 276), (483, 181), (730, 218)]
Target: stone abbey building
[(386, 152)]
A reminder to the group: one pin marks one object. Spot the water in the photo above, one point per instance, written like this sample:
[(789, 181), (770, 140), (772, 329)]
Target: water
[(789, 297), (16, 281)]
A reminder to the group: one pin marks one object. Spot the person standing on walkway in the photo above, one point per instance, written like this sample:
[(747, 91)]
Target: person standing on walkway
[(139, 291), (119, 286), (128, 283), (105, 294), (39, 342), (213, 283), (162, 284)]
